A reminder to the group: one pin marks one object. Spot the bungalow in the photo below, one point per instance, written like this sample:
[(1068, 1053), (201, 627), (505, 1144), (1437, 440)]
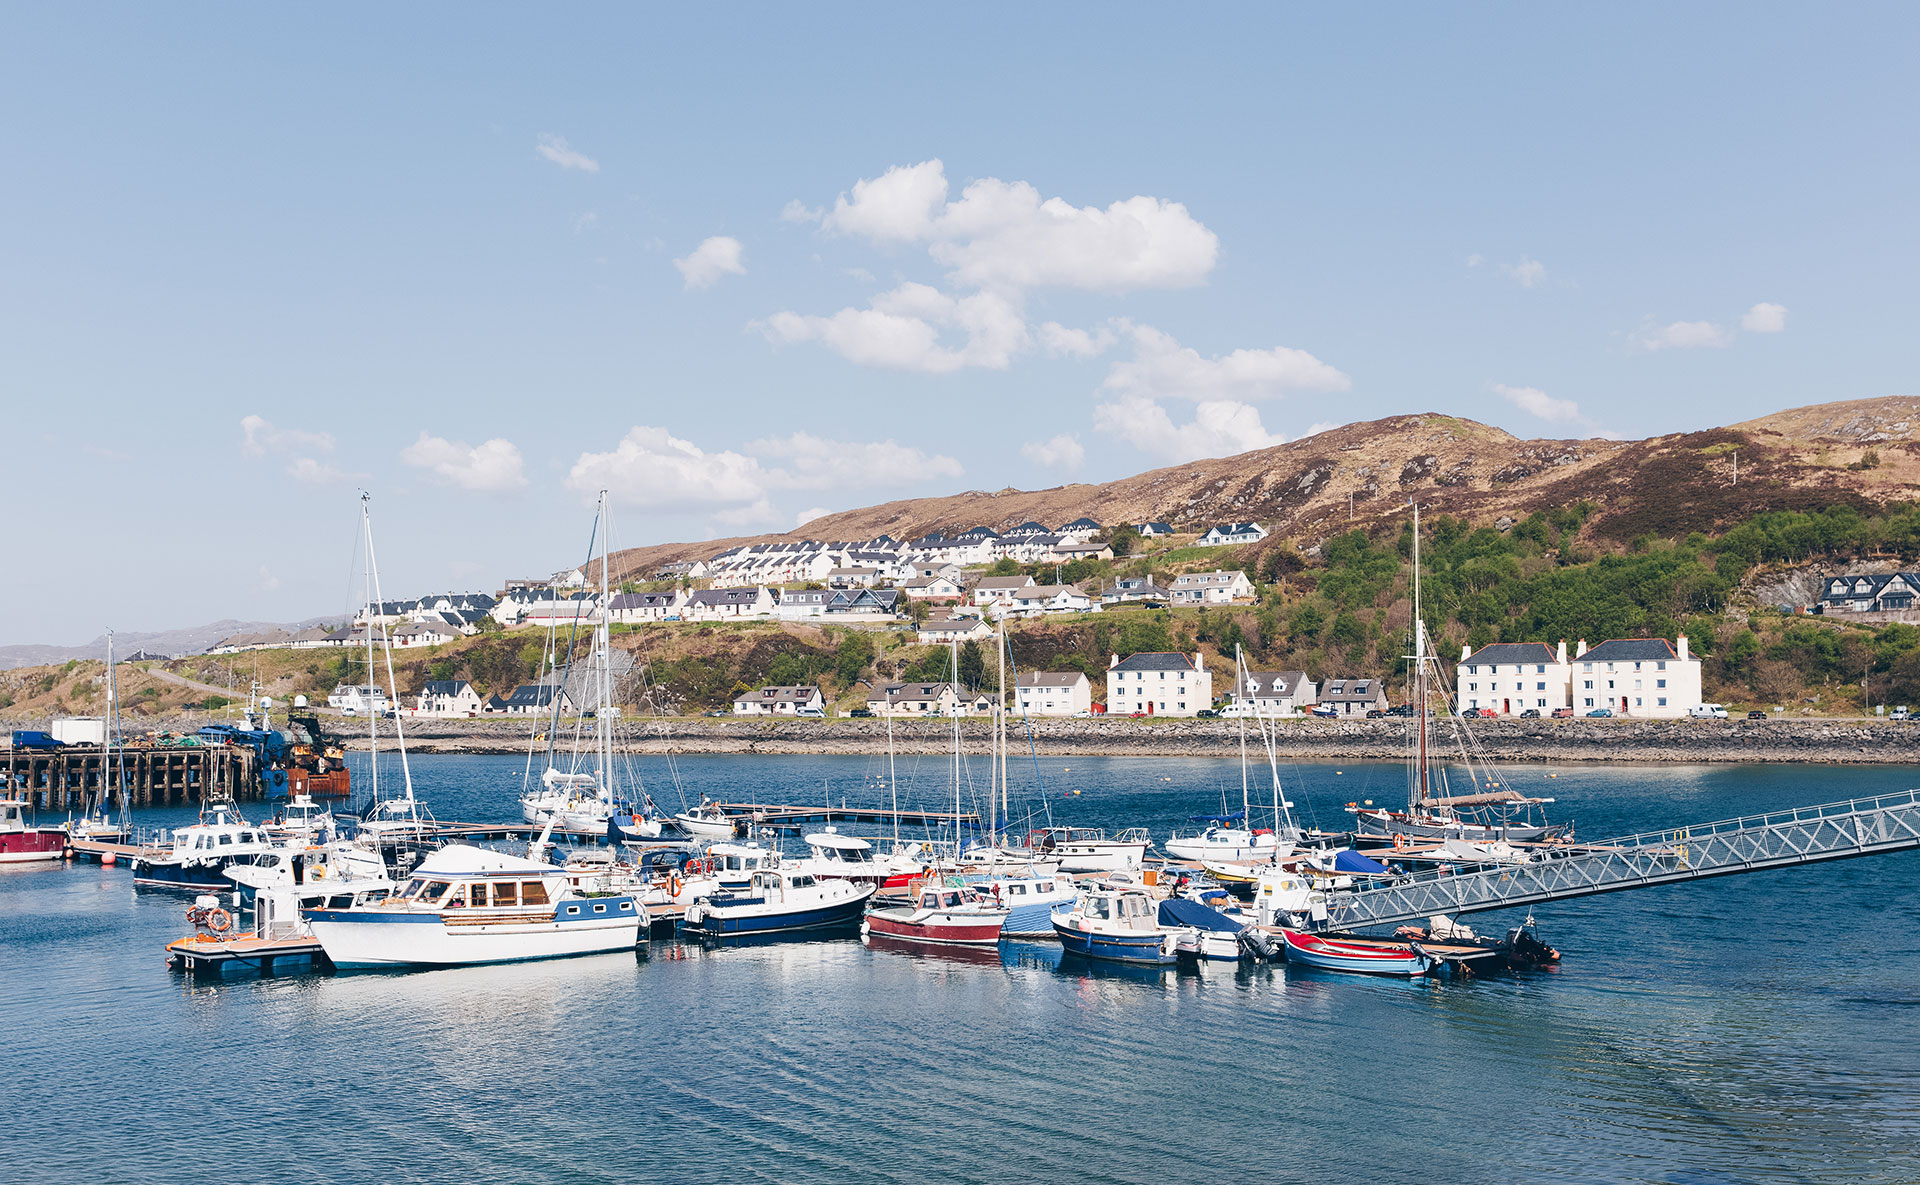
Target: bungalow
[(1036, 599), (999, 590), (1158, 684), (914, 699), (1354, 697), (635, 608), (310, 639), (268, 640), (798, 603), (1134, 588), (1211, 588), (495, 703), (449, 697), (983, 703), (1272, 693), (1068, 552), (532, 699), (562, 609), (933, 588), (781, 701), (728, 604), (683, 570), (1053, 693), (423, 633), (1232, 535), (1152, 530), (952, 629)]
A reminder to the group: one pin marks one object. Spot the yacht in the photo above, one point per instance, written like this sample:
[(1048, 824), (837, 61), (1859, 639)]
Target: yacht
[(327, 869), (1030, 901), (466, 905), (706, 821), (201, 853), (1088, 849), (778, 900), (1226, 838), (842, 857)]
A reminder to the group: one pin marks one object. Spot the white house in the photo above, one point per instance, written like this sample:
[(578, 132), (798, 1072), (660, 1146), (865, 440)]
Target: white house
[(1036, 599), (448, 697), (561, 609), (953, 629), (781, 701), (866, 604), (422, 633), (1158, 684), (1135, 588), (361, 698), (1272, 693), (1211, 588), (855, 577), (914, 699), (1647, 677), (1152, 530), (796, 604), (636, 608), (1053, 693), (932, 588), (728, 604), (1513, 677), (1232, 535), (999, 590), (1354, 697), (533, 699)]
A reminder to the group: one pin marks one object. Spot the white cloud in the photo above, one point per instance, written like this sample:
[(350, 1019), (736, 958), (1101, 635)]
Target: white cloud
[(493, 466), (903, 330), (808, 515), (557, 150), (268, 581), (1528, 273), (815, 463), (1536, 402), (1162, 368), (261, 438), (1220, 428), (585, 222), (713, 258), (1063, 453), (1003, 234), (651, 466), (798, 211), (1765, 318), (1060, 342), (314, 472), (1683, 335), (760, 515), (1476, 259)]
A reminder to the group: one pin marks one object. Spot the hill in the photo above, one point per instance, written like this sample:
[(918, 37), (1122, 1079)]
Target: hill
[(1862, 453)]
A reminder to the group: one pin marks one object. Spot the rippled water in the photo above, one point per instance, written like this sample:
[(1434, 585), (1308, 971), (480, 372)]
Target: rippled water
[(1762, 1028)]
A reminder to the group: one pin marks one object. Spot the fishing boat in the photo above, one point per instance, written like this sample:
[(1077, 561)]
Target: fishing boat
[(1120, 925), (1225, 838), (21, 842), (466, 905), (200, 853), (1364, 956), (1088, 849), (944, 914), (707, 821), (778, 901), (1030, 901)]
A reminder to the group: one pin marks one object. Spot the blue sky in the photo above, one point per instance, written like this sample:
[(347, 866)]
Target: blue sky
[(746, 264)]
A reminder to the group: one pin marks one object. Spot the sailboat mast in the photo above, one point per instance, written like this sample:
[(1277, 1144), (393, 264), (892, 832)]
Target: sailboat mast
[(953, 650), (893, 785), (393, 686), (1241, 675), (1419, 671), (373, 723), (1000, 730), (605, 713)]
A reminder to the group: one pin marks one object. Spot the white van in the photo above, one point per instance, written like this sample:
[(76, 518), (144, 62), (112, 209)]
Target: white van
[(1708, 712)]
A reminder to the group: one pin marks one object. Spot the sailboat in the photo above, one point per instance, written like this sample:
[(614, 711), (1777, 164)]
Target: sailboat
[(96, 825), (1229, 838), (402, 822), (1494, 815)]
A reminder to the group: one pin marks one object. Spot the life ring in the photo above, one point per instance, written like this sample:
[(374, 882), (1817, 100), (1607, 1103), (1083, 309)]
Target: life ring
[(1400, 842), (674, 885), (319, 873), (219, 921)]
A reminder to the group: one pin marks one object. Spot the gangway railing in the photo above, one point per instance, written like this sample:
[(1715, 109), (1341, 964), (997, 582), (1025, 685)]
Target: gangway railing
[(1809, 835)]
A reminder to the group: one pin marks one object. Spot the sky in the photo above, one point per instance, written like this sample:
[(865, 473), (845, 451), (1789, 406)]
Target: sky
[(744, 265)]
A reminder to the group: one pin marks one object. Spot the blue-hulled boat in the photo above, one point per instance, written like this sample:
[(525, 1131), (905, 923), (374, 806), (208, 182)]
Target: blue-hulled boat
[(778, 901), (202, 852), (1119, 925)]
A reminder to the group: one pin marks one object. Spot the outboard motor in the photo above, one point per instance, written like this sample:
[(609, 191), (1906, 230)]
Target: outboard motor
[(1255, 944)]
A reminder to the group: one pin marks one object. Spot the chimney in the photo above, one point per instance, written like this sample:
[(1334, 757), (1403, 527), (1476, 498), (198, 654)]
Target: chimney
[(1113, 662), (1582, 650), (1466, 652), (1197, 665), (1683, 648), (1560, 655)]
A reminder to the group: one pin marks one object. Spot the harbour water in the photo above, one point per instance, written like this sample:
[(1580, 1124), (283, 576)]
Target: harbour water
[(1752, 1028)]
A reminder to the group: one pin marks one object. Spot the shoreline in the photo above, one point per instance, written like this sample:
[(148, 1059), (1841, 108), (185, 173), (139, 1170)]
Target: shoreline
[(1807, 742)]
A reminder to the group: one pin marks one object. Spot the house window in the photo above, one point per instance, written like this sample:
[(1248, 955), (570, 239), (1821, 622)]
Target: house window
[(1473, 687), (1473, 670), (1589, 703), (1540, 669), (1660, 666), (1662, 701), (1541, 704), (1589, 685), (1540, 687), (1588, 668), (1659, 682)]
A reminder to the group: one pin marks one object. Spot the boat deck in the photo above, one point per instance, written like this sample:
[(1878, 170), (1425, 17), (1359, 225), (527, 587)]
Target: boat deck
[(203, 952)]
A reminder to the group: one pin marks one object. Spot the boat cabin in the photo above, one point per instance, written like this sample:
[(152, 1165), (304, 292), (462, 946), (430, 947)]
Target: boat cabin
[(488, 892), (734, 861), (840, 849), (1127, 910)]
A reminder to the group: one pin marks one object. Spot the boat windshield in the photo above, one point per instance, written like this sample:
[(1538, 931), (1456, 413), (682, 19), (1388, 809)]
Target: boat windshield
[(1099, 907)]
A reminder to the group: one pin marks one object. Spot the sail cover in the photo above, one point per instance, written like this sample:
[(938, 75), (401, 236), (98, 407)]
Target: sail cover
[(1352, 861), (1178, 911)]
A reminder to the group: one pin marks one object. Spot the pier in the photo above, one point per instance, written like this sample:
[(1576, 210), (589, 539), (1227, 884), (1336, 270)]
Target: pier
[(74, 777)]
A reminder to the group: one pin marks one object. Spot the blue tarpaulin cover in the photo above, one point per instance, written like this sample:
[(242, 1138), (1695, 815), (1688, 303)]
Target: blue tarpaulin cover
[(1178, 911), (1352, 861), (1235, 817)]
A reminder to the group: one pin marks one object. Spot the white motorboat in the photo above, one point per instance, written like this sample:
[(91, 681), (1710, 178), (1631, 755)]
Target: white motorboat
[(466, 905), (1030, 901), (301, 820), (329, 869), (1222, 840), (841, 857), (706, 821), (201, 852), (1089, 849)]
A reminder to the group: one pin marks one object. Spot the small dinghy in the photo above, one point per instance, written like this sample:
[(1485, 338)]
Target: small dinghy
[(1362, 956)]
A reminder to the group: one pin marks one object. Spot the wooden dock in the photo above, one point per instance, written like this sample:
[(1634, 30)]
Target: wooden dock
[(75, 777)]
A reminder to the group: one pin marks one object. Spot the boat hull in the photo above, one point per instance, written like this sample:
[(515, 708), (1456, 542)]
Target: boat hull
[(168, 874), (32, 845), (1331, 954), (1375, 827), (373, 939), (705, 828), (725, 921), (940, 929), (1099, 856), (1145, 948)]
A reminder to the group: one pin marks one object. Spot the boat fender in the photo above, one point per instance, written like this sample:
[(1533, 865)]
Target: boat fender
[(219, 921)]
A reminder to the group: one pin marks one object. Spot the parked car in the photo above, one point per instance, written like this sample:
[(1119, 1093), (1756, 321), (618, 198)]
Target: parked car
[(1900, 713), (1530, 714), (1206, 713), (1601, 713), (1708, 712), (1563, 713), (1401, 710), (1375, 714), (716, 712), (862, 713), (1756, 714), (814, 713)]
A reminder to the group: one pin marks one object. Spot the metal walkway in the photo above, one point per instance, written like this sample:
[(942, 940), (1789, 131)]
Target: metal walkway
[(1835, 831)]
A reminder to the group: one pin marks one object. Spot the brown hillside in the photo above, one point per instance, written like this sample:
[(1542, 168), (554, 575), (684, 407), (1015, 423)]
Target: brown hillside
[(1864, 451)]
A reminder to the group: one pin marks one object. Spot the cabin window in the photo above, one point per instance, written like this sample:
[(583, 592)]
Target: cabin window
[(533, 893), (1016, 890), (802, 882), (506, 893), (225, 840), (434, 891)]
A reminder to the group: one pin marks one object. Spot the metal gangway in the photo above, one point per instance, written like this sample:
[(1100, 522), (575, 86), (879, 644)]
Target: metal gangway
[(1809, 835)]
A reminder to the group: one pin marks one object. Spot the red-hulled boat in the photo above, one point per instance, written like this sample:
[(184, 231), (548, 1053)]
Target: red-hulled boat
[(20, 842), (1365, 956), (945, 915)]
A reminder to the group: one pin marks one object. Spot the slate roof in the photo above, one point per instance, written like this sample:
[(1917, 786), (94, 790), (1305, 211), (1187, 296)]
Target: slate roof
[(1512, 654), (1351, 691), (1156, 660), (1049, 679), (444, 687), (1631, 650), (1272, 684)]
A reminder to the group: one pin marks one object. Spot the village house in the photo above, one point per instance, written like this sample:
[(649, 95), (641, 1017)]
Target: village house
[(1053, 693), (1272, 694), (1152, 530), (682, 570), (1513, 677), (728, 604), (1134, 588), (914, 699), (799, 603), (867, 604), (309, 639), (1211, 588), (1079, 531), (938, 632), (781, 701), (562, 609), (360, 698), (1645, 677), (853, 577), (1232, 535), (532, 699), (998, 590), (423, 633), (1867, 593), (932, 588), (1036, 599), (1354, 697), (449, 698), (1158, 684), (1095, 550), (264, 640), (637, 608)]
